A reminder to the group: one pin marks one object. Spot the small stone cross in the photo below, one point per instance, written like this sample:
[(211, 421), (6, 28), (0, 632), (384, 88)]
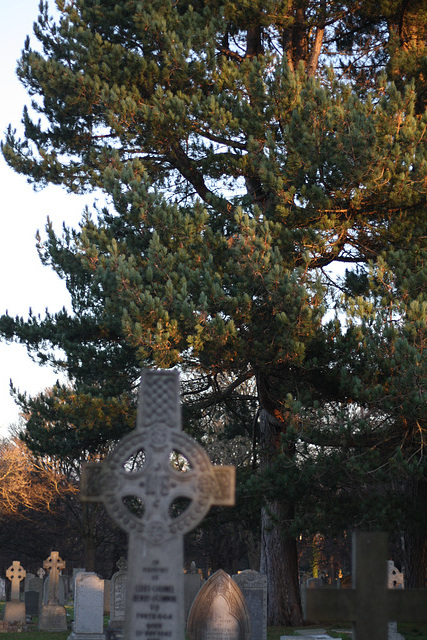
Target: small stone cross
[(370, 605), (54, 564), (156, 503), (15, 573)]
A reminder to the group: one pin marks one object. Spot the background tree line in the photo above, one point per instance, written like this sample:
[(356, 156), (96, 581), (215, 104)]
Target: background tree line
[(247, 151)]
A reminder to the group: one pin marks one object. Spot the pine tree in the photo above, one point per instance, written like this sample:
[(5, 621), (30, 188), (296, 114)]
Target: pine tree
[(238, 167)]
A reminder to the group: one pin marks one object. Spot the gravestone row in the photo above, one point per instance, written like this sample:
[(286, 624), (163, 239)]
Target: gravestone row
[(140, 471)]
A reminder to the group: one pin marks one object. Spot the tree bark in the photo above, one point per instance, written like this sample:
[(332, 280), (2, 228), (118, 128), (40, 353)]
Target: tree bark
[(279, 561), (415, 537), (415, 560), (279, 557)]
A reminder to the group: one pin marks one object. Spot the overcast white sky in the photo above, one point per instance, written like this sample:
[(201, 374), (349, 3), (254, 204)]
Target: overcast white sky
[(24, 282)]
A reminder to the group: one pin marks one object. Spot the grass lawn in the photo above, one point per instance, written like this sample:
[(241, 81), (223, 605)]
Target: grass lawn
[(409, 631)]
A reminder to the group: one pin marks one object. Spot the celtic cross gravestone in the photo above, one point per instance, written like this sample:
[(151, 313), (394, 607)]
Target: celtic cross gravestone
[(53, 614), (15, 610), (54, 564), (369, 604), (156, 502), (16, 574)]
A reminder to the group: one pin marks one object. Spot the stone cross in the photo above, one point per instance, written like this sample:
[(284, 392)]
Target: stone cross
[(54, 564), (15, 573), (41, 573), (369, 604), (145, 494)]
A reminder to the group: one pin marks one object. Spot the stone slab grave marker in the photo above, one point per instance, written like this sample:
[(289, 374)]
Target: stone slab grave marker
[(369, 604), (253, 586), (53, 616), (15, 610), (32, 603), (144, 493), (88, 608), (193, 582), (117, 601)]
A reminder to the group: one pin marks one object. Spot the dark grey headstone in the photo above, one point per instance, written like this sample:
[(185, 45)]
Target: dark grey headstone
[(253, 586), (193, 582), (32, 599)]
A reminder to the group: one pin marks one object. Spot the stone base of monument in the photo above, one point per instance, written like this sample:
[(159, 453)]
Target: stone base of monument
[(114, 631), (53, 617), (86, 636), (309, 636), (11, 627), (14, 612)]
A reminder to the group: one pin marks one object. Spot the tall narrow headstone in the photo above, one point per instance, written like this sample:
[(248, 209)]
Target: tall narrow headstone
[(53, 616), (219, 611), (253, 586), (28, 577), (15, 610), (370, 605), (117, 602), (157, 504), (88, 607), (36, 584), (193, 582)]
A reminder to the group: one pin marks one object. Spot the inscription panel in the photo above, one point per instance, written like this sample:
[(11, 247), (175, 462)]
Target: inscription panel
[(154, 604)]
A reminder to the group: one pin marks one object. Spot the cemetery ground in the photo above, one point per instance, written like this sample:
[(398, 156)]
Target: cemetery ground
[(408, 630)]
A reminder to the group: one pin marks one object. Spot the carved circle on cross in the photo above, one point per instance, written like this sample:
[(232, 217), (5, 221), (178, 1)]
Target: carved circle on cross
[(156, 484)]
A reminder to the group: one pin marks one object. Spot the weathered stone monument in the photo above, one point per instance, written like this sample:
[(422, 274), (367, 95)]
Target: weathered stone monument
[(117, 601), (15, 610), (143, 492), (60, 590), (31, 599), (395, 578), (88, 607), (253, 586), (193, 582), (53, 616), (370, 605), (219, 611)]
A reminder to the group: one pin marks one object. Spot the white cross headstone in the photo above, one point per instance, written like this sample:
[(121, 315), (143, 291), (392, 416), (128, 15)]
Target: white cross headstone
[(142, 491), (369, 604)]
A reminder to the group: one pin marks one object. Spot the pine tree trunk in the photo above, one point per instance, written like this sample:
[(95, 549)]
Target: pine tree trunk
[(88, 537), (416, 560), (279, 561), (415, 538), (279, 557)]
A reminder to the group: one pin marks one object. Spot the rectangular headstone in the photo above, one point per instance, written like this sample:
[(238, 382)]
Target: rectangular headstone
[(253, 586), (117, 604), (88, 607), (2, 589), (32, 603), (193, 582)]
